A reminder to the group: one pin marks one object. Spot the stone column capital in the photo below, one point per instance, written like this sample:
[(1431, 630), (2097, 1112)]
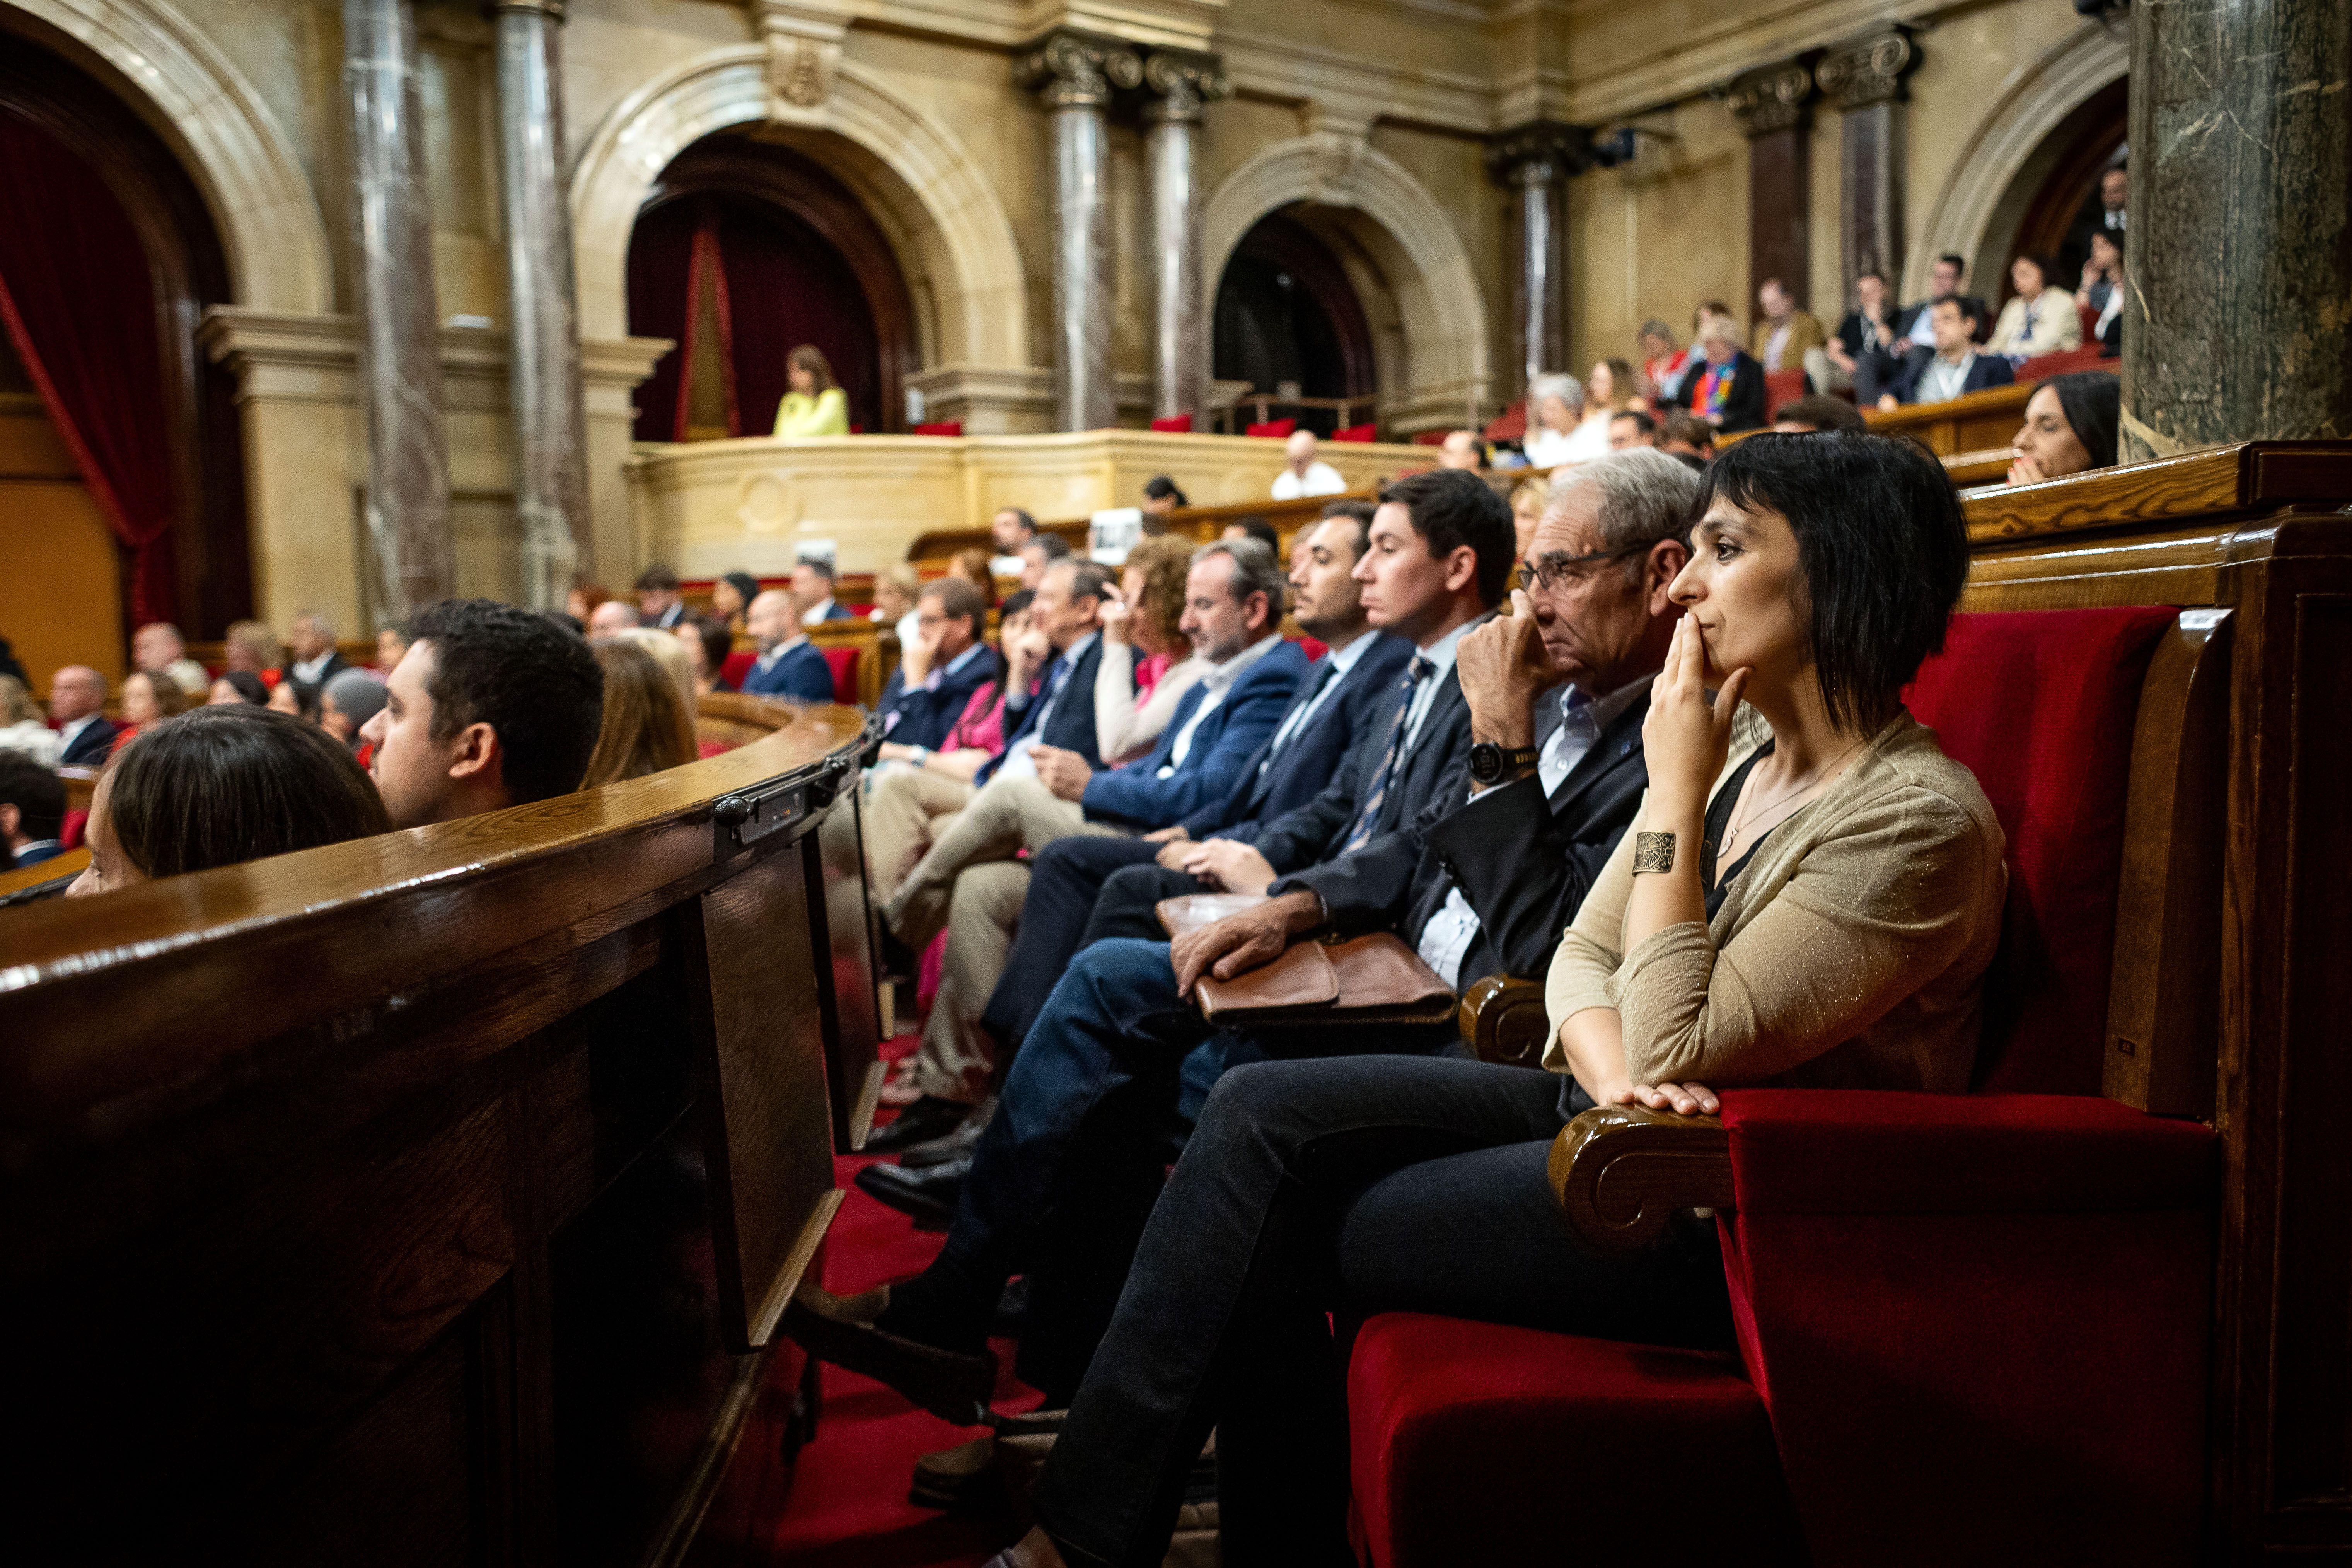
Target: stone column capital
[(803, 44), (1071, 70), (1539, 151), (1868, 70), (1773, 98), (1181, 83)]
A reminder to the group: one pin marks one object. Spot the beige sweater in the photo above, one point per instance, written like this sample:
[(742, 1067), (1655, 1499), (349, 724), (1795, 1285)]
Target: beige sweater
[(1849, 954)]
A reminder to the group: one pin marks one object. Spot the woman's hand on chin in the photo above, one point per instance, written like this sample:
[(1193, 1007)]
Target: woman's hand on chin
[(1685, 739)]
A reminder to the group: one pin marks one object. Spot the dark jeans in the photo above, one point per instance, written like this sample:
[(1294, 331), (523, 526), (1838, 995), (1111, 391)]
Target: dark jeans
[(1065, 881), (1354, 1185)]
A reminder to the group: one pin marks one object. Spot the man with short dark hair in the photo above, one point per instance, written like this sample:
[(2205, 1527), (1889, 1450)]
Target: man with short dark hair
[(1955, 369), (1915, 324), (1820, 411), (660, 604), (1160, 497), (77, 708), (1039, 553), (1011, 529), (789, 665), (1863, 348), (158, 648), (32, 810), (312, 658), (1632, 427), (1682, 435), (938, 670), (813, 584), (490, 707)]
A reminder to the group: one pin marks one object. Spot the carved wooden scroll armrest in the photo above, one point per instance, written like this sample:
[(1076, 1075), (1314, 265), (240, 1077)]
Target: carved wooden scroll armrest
[(1504, 1021), (1622, 1170)]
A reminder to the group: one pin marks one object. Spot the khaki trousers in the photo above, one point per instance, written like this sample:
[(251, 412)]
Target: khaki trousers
[(1007, 816), (905, 809), (956, 1059)]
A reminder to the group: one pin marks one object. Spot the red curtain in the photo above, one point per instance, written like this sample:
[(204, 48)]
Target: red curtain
[(77, 300)]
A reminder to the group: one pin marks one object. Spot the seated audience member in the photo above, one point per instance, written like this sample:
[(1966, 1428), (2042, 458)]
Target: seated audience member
[(1462, 449), (812, 586), (492, 706), (670, 653), (974, 567), (1527, 500), (347, 702), (613, 618), (149, 697), (708, 644), (220, 786), (940, 667), (159, 649), (252, 647), (813, 403), (1680, 436), (238, 686), (295, 701), (660, 602), (32, 810), (1303, 474), (23, 731), (1039, 553), (1147, 664), (2102, 272), (2070, 426), (1955, 369), (894, 588), (2108, 328), (1727, 389), (1632, 427), (646, 726), (1662, 359), (789, 665), (1100, 1067), (1160, 497), (583, 601), (1008, 530), (1255, 528), (1915, 324), (1841, 947), (1783, 334), (1609, 390), (731, 594), (2038, 320), (1556, 432), (1817, 411), (77, 708), (390, 641), (1862, 351), (312, 657)]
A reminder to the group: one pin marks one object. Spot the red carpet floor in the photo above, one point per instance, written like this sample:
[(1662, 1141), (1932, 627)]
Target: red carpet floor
[(842, 1502)]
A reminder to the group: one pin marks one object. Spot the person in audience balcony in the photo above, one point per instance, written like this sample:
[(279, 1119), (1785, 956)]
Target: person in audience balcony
[(583, 601), (2108, 326), (789, 665), (731, 595), (149, 697), (646, 726), (812, 588), (32, 808), (2102, 273), (1462, 449), (253, 647), (238, 686), (2038, 320), (670, 653), (660, 604), (1557, 432), (1663, 361), (1038, 554), (1160, 497), (1811, 896), (940, 667), (347, 702), (1148, 663), (1527, 500), (77, 708), (707, 642), (492, 705), (219, 786), (1303, 474), (1955, 369), (1681, 435), (1864, 349), (1916, 324), (1255, 528), (2103, 218), (158, 646), (895, 590), (1783, 334), (975, 568), (313, 658), (613, 618), (1096, 1083), (1726, 391), (2070, 426), (24, 730), (1610, 390), (295, 701), (1632, 427), (1008, 530), (392, 640), (813, 404), (1817, 411)]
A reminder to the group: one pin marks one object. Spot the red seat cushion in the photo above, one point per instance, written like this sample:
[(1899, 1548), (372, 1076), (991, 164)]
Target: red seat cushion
[(2087, 357), (1509, 425), (942, 427), (1278, 430), (1174, 424), (736, 667), (1356, 432), (1313, 647), (845, 674), (1782, 386), (1477, 1442), (1430, 437), (70, 836), (2041, 705)]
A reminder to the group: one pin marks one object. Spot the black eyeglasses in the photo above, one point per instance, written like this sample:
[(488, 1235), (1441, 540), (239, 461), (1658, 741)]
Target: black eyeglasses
[(1555, 571)]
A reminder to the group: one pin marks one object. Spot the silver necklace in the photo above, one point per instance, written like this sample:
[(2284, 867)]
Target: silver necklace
[(1749, 810)]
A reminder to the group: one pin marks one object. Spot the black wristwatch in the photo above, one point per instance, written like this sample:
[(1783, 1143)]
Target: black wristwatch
[(1490, 764)]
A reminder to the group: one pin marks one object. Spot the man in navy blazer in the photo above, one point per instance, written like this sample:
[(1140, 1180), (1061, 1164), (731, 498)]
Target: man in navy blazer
[(77, 708), (812, 586), (789, 665), (1955, 369), (939, 672)]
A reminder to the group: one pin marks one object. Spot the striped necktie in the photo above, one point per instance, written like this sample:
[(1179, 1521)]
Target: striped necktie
[(1362, 832)]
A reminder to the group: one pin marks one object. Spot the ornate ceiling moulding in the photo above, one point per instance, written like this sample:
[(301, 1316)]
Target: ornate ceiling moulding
[(1868, 70), (1182, 82), (804, 45), (1773, 98), (1078, 70), (1542, 150)]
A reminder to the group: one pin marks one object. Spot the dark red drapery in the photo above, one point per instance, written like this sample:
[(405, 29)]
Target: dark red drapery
[(78, 302)]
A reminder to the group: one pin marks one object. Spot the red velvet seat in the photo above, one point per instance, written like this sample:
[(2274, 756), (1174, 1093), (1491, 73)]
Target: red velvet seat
[(845, 674), (940, 427), (738, 666), (2090, 356), (1363, 433), (1174, 424), (1977, 1324), (1782, 386), (1273, 430)]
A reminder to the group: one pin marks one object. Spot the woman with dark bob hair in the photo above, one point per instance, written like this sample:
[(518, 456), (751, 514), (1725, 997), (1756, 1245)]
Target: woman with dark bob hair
[(2070, 426), (219, 785), (1810, 895)]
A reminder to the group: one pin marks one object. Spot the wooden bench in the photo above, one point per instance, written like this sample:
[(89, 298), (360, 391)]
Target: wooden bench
[(433, 1198)]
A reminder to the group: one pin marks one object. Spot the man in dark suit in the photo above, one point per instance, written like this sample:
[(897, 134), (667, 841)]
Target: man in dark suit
[(1726, 390), (813, 583), (1915, 335), (32, 812), (788, 665), (77, 708), (312, 658), (939, 671), (1955, 369), (1863, 346), (660, 604)]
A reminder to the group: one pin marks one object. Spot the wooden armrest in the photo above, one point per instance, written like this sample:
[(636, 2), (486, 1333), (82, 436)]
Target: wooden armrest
[(1504, 1020), (1621, 1171)]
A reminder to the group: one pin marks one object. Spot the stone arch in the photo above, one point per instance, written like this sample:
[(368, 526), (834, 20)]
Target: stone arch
[(930, 197), (1971, 210), (161, 64), (1401, 230)]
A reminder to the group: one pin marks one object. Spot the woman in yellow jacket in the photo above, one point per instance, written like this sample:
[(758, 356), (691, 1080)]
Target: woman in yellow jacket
[(815, 405)]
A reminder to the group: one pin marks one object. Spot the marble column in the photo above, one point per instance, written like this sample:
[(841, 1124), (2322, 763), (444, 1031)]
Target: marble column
[(407, 505), (1536, 161), (1075, 75), (1774, 107), (551, 425), (1866, 81), (1179, 85), (2237, 271)]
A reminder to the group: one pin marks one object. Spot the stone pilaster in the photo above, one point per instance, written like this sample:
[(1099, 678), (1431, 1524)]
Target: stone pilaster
[(1774, 107), (1536, 161), (1180, 84), (1864, 80), (1076, 74)]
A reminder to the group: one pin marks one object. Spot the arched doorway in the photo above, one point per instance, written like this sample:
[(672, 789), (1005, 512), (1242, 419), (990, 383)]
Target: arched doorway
[(109, 259), (2049, 206), (742, 250), (1287, 314)]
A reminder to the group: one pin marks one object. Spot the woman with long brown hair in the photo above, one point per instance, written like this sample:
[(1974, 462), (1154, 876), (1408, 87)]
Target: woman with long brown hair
[(646, 727), (815, 405), (147, 700)]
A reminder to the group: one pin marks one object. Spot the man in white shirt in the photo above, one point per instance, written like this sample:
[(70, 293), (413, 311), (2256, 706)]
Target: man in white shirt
[(310, 642), (77, 708), (1302, 475), (157, 649)]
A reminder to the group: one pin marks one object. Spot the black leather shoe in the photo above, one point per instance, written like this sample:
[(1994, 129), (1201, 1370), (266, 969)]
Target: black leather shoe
[(954, 1385), (927, 1121), (927, 1196), (956, 1144)]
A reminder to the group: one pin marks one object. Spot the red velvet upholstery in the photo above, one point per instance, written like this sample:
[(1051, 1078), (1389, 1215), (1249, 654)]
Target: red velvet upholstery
[(1366, 433), (736, 667), (1430, 438), (845, 674), (1278, 430), (1174, 424), (942, 427), (70, 836), (1313, 647), (1508, 425), (2088, 357), (1782, 386), (1476, 1444)]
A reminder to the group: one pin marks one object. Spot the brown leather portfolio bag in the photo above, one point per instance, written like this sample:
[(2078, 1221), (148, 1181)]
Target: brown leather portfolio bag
[(1373, 979)]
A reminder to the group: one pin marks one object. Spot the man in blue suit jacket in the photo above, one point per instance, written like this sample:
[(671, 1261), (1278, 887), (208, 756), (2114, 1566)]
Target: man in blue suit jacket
[(951, 662), (789, 664), (1955, 369), (813, 584)]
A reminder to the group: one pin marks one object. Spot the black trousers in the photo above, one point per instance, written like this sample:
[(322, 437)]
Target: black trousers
[(1059, 914), (1351, 1185)]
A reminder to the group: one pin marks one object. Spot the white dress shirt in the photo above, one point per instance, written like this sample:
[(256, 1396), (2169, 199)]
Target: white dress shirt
[(814, 616), (1942, 379), (1017, 759), (1321, 480), (308, 670), (1214, 684)]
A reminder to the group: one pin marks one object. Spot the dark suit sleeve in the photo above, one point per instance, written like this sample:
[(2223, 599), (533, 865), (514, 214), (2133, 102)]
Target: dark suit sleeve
[(1991, 370), (1297, 837), (1369, 889), (810, 679), (1744, 408), (1525, 871)]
